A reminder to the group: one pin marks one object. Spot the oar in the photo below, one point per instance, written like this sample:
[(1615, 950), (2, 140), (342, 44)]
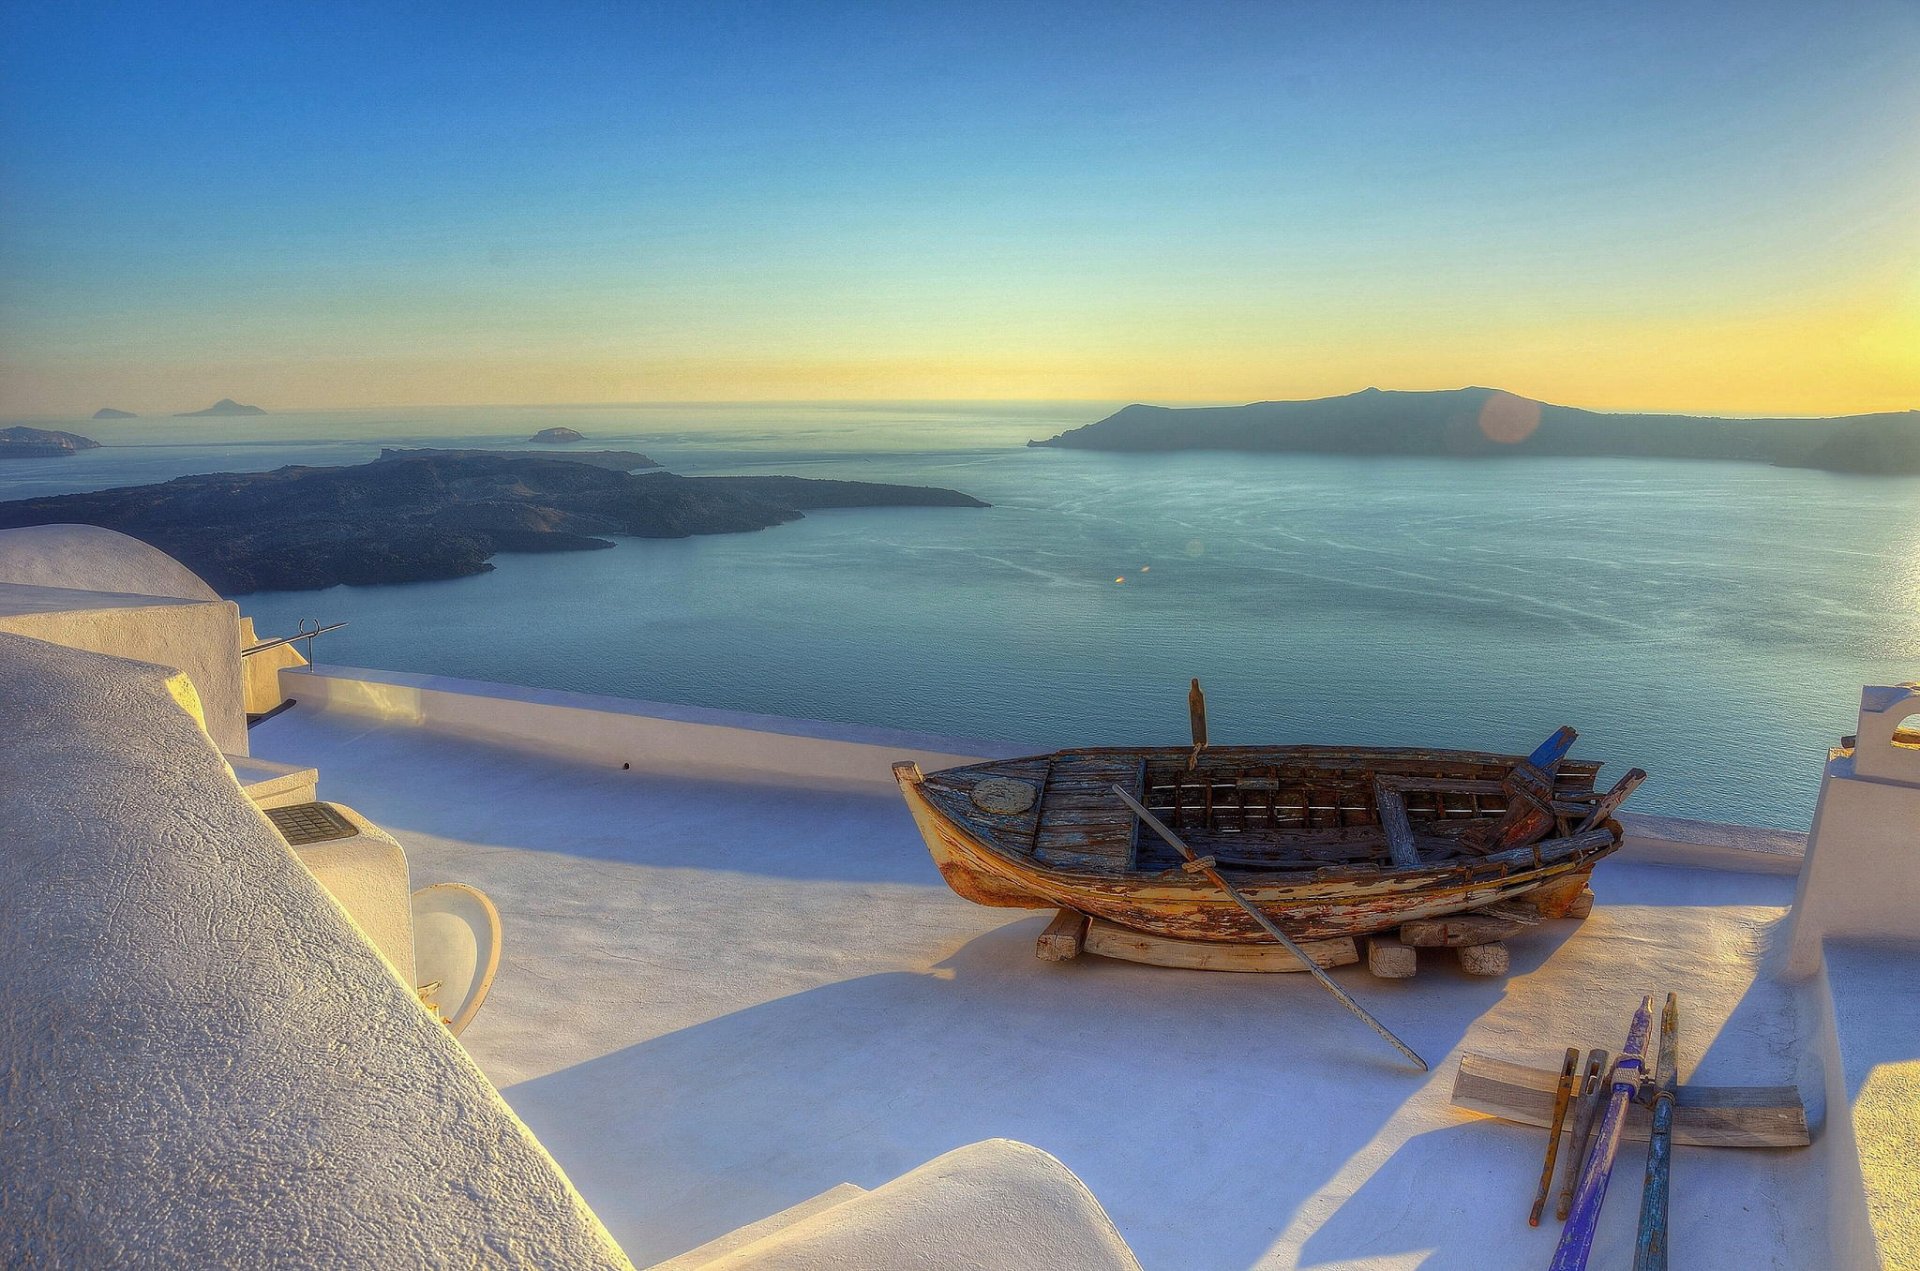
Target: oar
[(1588, 1100), (1205, 866), (1576, 1238), (1562, 1094), (1650, 1247)]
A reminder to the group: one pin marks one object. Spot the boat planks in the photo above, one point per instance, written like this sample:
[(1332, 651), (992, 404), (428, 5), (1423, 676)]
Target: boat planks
[(1300, 830)]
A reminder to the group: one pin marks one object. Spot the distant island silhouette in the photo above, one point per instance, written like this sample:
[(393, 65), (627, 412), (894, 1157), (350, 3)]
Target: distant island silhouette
[(438, 516), (108, 412), (1487, 421), (225, 406), (41, 443), (618, 460), (557, 435)]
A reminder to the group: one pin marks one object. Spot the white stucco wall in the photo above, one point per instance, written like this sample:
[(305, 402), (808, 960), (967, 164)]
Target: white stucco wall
[(202, 1063), (610, 731), (1862, 875), (200, 637)]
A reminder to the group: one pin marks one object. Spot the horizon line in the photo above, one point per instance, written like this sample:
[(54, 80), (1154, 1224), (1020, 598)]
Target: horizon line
[(876, 402)]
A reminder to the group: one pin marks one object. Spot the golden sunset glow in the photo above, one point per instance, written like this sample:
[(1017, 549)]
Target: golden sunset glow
[(1688, 216)]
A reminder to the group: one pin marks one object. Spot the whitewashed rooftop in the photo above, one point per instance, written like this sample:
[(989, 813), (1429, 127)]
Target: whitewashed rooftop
[(723, 995)]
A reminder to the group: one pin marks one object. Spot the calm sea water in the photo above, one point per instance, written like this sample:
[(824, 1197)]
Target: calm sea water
[(1711, 623)]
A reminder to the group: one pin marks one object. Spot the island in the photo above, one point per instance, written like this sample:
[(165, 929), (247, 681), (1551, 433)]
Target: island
[(403, 519), (42, 443), (1488, 421), (556, 436), (108, 412), (619, 460), (225, 406)]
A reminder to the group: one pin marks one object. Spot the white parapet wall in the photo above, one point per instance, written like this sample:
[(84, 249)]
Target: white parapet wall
[(613, 731), (1861, 880), (659, 736)]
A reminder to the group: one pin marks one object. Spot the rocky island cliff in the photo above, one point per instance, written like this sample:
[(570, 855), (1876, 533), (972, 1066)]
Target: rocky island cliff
[(404, 519), (225, 406), (1488, 421), (619, 460), (41, 443)]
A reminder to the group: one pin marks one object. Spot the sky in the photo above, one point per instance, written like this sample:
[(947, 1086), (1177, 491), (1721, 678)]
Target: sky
[(1709, 208)]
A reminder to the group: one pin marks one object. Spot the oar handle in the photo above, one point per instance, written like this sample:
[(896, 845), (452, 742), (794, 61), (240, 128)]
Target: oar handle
[(1253, 911)]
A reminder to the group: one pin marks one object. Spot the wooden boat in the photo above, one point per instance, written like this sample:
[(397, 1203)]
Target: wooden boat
[(1328, 841)]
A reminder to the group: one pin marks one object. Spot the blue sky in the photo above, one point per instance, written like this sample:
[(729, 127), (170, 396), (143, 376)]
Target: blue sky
[(1704, 207)]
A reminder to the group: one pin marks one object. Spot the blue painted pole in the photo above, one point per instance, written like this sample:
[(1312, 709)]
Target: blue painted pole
[(1576, 1240), (1553, 750), (1650, 1246)]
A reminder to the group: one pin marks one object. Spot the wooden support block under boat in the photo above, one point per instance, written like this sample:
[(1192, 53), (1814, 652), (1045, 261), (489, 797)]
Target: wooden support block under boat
[(1389, 959), (1483, 959), (1703, 1116), (1110, 941), (1458, 931), (1063, 939)]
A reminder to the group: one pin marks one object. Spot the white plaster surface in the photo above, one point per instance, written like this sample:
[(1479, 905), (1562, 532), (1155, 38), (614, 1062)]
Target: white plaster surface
[(1862, 874), (199, 637), (201, 1063), (1876, 1073), (273, 785), (724, 995), (997, 1206), (260, 673), (90, 558), (367, 875), (610, 731)]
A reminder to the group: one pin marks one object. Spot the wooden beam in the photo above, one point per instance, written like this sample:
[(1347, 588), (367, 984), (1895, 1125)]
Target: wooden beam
[(1063, 939), (1458, 931), (1393, 819), (1703, 1116), (1110, 941)]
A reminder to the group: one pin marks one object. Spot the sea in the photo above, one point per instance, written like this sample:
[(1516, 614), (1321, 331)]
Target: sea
[(1712, 623)]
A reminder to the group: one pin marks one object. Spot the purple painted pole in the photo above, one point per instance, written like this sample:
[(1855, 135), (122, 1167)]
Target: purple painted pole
[(1576, 1239)]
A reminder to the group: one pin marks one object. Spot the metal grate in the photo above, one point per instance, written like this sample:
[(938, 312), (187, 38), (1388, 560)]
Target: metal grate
[(305, 823)]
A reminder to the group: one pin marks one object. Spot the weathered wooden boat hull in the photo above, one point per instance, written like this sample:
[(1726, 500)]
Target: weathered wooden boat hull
[(1315, 905)]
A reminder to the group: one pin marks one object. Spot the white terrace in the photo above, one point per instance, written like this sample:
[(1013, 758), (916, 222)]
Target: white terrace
[(734, 984)]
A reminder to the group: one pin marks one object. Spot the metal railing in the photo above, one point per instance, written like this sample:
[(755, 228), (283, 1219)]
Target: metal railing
[(306, 632)]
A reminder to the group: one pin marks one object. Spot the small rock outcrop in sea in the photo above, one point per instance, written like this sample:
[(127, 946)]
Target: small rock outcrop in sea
[(225, 406), (403, 519), (618, 460), (41, 443), (108, 412), (1489, 421), (557, 435)]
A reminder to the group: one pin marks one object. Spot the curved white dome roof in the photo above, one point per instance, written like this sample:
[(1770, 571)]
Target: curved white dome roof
[(89, 558)]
